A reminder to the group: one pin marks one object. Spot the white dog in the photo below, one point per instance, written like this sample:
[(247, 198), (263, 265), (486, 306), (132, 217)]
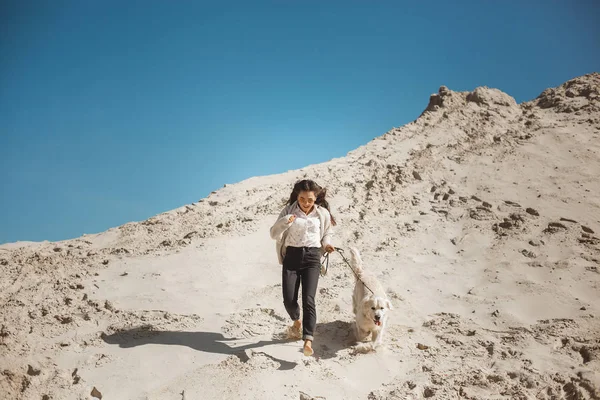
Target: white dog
[(370, 305)]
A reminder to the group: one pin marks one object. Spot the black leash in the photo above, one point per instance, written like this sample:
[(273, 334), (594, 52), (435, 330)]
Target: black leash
[(325, 267)]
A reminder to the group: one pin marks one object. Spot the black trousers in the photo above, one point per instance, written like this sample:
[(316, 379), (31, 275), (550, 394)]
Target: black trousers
[(301, 265)]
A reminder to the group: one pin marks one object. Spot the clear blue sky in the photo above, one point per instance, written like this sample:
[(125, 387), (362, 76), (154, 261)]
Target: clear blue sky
[(115, 111)]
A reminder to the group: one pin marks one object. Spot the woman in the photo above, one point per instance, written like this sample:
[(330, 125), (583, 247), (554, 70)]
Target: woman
[(303, 234)]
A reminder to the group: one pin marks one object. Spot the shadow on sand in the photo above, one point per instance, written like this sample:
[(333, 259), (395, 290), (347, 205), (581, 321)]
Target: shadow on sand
[(210, 342), (332, 337)]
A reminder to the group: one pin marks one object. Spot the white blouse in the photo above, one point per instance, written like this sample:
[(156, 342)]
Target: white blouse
[(305, 230)]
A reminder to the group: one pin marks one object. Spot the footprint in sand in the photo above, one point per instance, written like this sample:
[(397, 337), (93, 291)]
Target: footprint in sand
[(586, 229), (554, 227), (481, 213), (254, 322), (305, 396)]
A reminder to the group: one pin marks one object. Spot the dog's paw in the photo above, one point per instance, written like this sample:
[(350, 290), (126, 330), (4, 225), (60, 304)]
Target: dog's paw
[(363, 348)]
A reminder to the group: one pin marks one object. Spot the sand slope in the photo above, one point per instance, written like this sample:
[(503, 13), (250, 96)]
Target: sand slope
[(481, 218)]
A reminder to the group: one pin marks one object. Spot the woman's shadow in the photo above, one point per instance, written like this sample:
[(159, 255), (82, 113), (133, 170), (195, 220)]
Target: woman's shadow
[(210, 342)]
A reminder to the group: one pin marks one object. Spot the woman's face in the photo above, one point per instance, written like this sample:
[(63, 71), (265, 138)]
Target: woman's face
[(306, 200)]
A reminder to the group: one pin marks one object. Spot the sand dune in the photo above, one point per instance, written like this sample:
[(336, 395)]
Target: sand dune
[(481, 218)]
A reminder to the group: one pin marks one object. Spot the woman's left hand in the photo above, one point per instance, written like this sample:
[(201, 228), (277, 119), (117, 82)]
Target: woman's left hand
[(329, 248)]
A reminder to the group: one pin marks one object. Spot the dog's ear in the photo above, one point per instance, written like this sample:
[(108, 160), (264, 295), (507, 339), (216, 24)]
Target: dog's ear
[(389, 305)]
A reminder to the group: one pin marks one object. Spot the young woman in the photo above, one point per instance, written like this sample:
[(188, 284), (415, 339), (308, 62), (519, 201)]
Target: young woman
[(303, 234)]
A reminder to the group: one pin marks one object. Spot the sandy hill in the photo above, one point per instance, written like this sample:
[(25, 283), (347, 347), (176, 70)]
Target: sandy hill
[(481, 218)]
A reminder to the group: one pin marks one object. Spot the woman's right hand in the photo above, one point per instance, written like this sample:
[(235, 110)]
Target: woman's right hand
[(291, 219)]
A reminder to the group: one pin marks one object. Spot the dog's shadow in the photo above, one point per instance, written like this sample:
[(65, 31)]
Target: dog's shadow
[(210, 342), (332, 337)]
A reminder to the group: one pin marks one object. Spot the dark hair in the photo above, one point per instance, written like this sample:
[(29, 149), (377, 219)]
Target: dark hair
[(308, 185)]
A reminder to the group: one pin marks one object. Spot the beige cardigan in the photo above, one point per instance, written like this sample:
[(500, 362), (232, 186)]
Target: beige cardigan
[(279, 229)]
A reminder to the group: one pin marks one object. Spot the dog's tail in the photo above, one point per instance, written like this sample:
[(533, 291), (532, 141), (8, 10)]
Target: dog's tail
[(356, 262)]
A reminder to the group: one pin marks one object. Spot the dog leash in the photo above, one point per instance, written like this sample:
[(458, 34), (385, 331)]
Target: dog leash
[(325, 267), (325, 264)]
